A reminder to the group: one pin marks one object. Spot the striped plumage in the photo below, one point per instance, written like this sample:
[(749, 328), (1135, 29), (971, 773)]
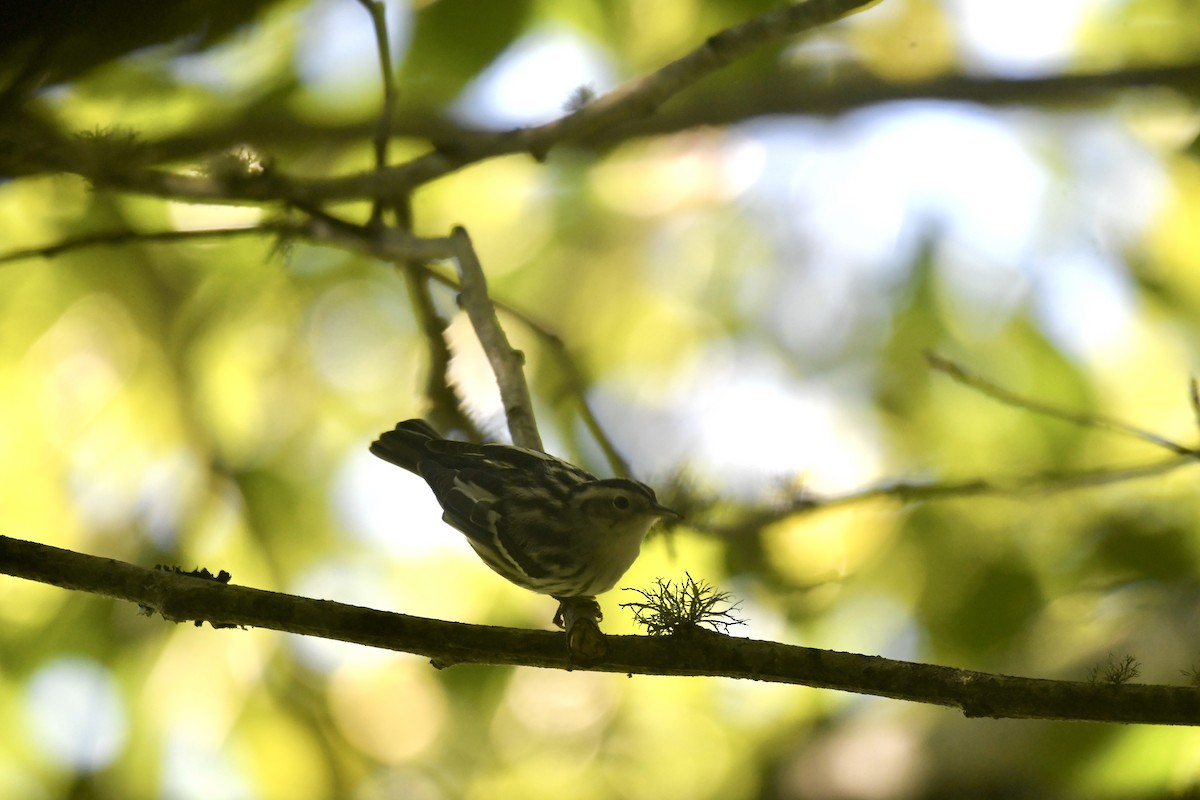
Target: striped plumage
[(541, 522)]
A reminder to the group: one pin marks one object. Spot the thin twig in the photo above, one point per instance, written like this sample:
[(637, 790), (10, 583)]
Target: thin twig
[(383, 130), (1084, 420), (1194, 399), (914, 491), (578, 387), (910, 491), (124, 237), (919, 491), (507, 363), (321, 228)]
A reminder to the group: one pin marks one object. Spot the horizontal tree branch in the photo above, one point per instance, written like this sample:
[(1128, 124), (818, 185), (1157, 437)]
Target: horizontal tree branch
[(789, 91), (181, 597), (387, 244), (636, 99), (842, 89), (274, 126)]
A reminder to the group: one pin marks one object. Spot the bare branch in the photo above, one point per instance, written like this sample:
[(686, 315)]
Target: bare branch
[(846, 87), (919, 491), (693, 651), (634, 100)]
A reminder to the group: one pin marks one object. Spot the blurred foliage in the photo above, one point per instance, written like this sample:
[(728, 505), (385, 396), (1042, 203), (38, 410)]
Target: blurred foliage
[(749, 308)]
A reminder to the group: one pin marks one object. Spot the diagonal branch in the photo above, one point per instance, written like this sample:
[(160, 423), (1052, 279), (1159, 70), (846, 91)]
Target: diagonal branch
[(507, 363), (180, 597), (642, 97), (1082, 419)]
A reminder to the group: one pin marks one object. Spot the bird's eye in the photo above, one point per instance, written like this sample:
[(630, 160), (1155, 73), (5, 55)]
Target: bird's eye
[(621, 502)]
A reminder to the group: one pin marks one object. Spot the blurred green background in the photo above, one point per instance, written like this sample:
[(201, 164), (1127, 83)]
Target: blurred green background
[(749, 304)]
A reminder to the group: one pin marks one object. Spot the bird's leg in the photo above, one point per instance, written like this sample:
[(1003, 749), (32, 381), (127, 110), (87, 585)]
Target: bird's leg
[(571, 609), (580, 617)]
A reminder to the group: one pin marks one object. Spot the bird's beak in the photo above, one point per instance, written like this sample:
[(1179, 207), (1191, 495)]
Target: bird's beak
[(665, 513)]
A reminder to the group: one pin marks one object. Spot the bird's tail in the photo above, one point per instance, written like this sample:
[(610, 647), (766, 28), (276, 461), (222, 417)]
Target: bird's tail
[(405, 445)]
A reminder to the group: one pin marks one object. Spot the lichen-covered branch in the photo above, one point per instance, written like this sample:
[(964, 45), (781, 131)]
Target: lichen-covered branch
[(695, 651)]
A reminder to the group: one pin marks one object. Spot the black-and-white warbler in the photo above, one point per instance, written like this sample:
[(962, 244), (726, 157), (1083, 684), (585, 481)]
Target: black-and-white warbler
[(541, 522)]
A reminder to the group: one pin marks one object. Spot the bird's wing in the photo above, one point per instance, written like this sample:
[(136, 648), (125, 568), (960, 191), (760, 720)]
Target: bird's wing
[(472, 502)]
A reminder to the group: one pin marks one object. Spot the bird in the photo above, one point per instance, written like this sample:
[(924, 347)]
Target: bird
[(541, 522)]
